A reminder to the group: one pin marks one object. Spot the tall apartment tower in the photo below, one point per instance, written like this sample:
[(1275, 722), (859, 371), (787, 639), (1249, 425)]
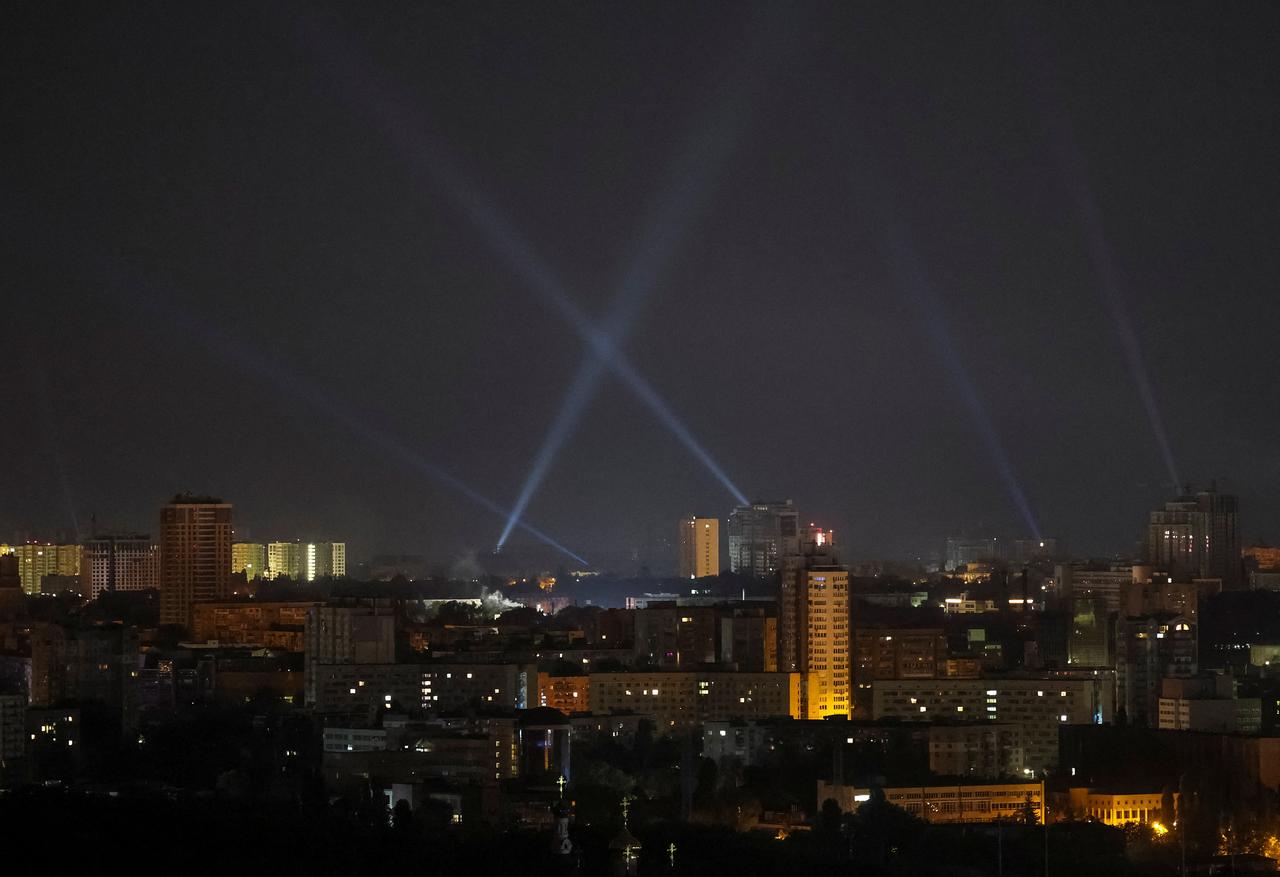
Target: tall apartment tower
[(195, 555), (1197, 537), (699, 547), (119, 562), (758, 536), (813, 624)]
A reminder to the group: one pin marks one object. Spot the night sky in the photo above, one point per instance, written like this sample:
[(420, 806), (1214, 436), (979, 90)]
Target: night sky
[(242, 257)]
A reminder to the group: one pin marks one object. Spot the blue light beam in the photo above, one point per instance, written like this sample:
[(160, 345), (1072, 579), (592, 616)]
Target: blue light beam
[(428, 163), (1037, 59), (257, 365), (668, 225), (906, 263)]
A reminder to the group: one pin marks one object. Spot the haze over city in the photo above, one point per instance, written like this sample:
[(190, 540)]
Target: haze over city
[(231, 237)]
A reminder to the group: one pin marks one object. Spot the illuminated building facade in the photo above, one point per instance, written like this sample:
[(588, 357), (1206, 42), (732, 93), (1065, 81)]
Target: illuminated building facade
[(126, 562), (699, 547), (195, 555), (1121, 808), (249, 558), (758, 536), (38, 559), (569, 694), (252, 623), (306, 561), (813, 624), (950, 803)]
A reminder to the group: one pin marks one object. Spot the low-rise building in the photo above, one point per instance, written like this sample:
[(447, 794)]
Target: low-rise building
[(1119, 808), (949, 803)]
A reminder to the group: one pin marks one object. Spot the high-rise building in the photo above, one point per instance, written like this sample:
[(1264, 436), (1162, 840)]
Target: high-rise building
[(284, 560), (1150, 648), (359, 634), (962, 551), (324, 560), (699, 547), (757, 536), (249, 558), (39, 559), (195, 555), (123, 562), (1197, 537), (306, 561), (813, 624)]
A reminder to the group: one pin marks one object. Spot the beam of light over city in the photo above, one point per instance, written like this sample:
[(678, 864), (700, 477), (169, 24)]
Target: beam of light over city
[(257, 365), (428, 161), (907, 265), (1061, 134), (666, 228)]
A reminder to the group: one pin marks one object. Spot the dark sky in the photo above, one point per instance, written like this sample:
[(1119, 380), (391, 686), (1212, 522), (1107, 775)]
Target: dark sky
[(227, 243)]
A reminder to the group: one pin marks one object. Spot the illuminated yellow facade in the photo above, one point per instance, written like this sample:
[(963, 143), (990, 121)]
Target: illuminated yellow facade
[(249, 558), (306, 561), (699, 547), (827, 682), (1120, 808), (569, 694), (37, 560)]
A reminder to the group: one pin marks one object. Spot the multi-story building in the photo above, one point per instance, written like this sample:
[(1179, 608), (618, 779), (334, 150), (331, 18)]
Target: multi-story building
[(360, 692), (962, 551), (119, 562), (749, 639), (13, 727), (813, 625), (36, 560), (1024, 551), (1197, 537), (359, 634), (1208, 703), (699, 547), (680, 698), (977, 750), (895, 653), (1148, 649), (252, 623), (284, 561), (950, 803), (1117, 808), (82, 664), (195, 555), (1091, 638), (672, 636), (324, 560), (306, 561), (758, 535), (569, 694), (1039, 705), (450, 687), (249, 558)]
